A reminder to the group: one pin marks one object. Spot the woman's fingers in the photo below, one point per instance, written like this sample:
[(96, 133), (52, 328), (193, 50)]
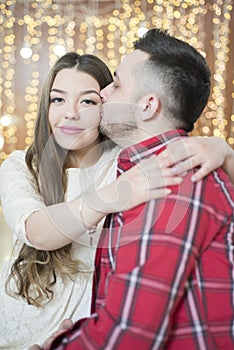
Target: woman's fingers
[(203, 154), (177, 152), (156, 176), (160, 181), (158, 193), (204, 170), (65, 325), (185, 166), (35, 347)]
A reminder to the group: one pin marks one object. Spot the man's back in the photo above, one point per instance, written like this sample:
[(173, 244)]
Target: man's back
[(169, 265)]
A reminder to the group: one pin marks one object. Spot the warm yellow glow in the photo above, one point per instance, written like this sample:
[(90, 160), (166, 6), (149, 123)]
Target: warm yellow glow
[(2, 141), (47, 29)]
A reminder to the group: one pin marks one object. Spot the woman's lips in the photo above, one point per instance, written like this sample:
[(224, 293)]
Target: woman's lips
[(70, 130)]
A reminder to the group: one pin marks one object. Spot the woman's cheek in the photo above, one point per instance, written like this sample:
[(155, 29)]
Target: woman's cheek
[(53, 117), (91, 117)]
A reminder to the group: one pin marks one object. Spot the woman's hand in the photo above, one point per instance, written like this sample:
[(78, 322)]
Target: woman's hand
[(144, 181), (207, 153)]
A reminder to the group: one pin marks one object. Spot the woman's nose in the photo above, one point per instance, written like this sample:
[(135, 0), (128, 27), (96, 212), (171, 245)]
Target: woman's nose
[(74, 116), (72, 112)]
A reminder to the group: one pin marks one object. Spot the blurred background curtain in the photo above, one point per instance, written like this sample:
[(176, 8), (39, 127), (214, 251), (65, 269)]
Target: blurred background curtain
[(33, 34)]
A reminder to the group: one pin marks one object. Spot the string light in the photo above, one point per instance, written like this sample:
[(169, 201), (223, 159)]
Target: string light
[(8, 137), (26, 52), (33, 34)]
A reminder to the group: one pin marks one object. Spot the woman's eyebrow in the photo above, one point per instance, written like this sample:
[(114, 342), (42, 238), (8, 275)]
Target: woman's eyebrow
[(81, 93), (89, 92), (58, 90)]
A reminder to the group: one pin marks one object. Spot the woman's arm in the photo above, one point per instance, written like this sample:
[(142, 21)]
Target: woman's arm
[(207, 152), (60, 224), (49, 228)]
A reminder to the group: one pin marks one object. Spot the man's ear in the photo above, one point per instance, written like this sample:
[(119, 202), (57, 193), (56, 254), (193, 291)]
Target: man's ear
[(151, 105)]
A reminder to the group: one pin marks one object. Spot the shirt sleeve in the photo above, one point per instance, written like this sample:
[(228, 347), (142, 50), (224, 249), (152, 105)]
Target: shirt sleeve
[(19, 198)]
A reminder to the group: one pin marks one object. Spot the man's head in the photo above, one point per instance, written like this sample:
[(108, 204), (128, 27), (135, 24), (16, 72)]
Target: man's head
[(163, 84)]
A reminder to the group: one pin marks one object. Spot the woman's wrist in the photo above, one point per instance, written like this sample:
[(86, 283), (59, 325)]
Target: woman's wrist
[(102, 200)]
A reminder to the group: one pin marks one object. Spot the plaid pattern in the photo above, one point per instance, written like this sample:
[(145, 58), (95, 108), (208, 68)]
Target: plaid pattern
[(165, 269)]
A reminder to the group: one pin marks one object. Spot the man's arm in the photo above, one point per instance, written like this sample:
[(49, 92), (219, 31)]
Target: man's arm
[(208, 153)]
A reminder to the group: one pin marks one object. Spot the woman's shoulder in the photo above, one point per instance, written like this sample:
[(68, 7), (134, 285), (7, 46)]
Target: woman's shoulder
[(15, 160), (13, 168), (16, 157)]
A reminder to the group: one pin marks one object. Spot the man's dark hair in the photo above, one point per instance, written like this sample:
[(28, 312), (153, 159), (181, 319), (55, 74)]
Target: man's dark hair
[(182, 72)]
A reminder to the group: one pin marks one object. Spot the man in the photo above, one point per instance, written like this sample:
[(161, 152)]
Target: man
[(164, 271)]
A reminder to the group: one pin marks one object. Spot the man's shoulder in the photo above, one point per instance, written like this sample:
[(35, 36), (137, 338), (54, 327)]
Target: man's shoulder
[(221, 177), (218, 192)]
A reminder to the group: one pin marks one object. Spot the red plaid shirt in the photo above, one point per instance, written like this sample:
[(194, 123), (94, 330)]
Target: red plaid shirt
[(165, 269)]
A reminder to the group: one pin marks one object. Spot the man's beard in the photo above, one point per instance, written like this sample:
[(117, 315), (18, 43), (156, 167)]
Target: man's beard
[(119, 122)]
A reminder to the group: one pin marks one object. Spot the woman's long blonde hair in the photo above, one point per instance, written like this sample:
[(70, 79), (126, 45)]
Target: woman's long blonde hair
[(35, 271)]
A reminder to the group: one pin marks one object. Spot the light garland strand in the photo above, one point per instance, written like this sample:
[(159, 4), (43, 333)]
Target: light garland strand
[(33, 39)]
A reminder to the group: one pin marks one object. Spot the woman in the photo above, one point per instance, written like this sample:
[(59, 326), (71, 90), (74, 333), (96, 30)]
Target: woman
[(49, 277)]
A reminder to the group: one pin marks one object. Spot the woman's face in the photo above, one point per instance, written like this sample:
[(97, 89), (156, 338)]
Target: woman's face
[(74, 110)]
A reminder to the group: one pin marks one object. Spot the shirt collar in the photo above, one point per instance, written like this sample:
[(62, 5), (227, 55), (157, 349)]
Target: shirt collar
[(150, 146)]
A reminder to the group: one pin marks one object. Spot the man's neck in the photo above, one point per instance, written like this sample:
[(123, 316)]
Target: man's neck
[(140, 135), (153, 145)]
